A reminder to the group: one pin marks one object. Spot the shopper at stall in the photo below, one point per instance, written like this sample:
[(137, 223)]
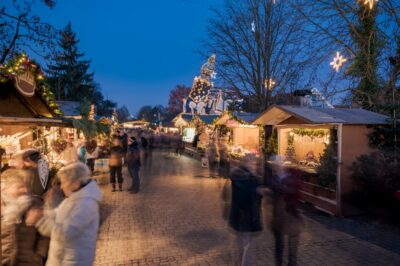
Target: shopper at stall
[(245, 212), (133, 160), (73, 226), (115, 164), (21, 243), (286, 219)]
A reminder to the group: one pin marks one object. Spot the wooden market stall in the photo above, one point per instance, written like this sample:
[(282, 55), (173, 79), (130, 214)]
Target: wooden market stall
[(243, 137), (306, 138), (29, 117)]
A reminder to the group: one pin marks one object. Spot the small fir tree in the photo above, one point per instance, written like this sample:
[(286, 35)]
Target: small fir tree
[(328, 163), (290, 150)]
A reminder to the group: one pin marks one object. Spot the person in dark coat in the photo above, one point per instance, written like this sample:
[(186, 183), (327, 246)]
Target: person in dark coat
[(245, 213), (115, 164), (286, 220), (133, 161)]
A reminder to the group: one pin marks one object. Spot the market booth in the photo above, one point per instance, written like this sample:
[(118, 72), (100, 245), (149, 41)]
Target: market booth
[(312, 140), (29, 117), (243, 137), (196, 132)]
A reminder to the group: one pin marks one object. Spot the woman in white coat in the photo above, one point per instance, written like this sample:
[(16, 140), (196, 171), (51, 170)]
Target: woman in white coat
[(73, 226)]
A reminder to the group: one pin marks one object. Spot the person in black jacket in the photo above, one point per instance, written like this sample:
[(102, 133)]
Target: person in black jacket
[(245, 213), (133, 161)]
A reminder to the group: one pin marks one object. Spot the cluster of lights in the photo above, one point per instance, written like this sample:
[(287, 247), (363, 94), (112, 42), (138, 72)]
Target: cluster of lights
[(269, 84), (21, 64)]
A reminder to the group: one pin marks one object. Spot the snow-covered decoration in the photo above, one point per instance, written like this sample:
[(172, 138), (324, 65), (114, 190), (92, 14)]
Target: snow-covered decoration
[(316, 100), (197, 101), (338, 61)]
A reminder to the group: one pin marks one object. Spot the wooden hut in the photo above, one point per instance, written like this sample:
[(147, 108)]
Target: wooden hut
[(304, 134)]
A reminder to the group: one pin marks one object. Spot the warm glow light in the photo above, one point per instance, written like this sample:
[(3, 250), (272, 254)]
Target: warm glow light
[(369, 3), (338, 61)]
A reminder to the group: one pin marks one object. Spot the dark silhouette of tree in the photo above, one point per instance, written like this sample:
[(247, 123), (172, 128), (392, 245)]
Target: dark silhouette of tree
[(260, 48), (123, 114), (175, 99), (20, 29), (68, 74)]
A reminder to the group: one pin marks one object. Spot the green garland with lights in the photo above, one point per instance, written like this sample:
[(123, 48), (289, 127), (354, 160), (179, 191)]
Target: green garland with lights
[(313, 133), (20, 64)]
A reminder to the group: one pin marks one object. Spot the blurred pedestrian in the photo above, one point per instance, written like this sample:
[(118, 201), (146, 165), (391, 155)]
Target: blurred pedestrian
[(286, 220), (36, 168), (82, 152), (73, 226), (92, 154), (115, 164), (123, 137), (133, 160), (245, 213), (21, 244), (223, 154)]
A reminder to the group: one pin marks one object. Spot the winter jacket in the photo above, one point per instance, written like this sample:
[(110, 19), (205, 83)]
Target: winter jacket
[(116, 155), (73, 228), (21, 244), (133, 156), (245, 213)]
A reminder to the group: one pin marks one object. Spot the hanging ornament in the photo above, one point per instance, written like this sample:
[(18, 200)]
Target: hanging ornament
[(253, 26), (338, 61), (369, 3), (213, 75)]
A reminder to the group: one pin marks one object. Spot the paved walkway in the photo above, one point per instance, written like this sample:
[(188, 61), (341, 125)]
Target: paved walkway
[(176, 220)]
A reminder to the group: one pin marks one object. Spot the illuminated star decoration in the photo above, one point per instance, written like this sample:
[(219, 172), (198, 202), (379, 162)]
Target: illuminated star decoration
[(369, 3), (270, 83), (253, 27), (213, 75), (338, 61)]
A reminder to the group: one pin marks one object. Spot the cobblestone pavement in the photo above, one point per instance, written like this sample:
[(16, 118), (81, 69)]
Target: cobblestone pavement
[(176, 220)]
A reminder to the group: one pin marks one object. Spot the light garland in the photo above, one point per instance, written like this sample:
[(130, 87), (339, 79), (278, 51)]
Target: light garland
[(338, 61), (19, 65)]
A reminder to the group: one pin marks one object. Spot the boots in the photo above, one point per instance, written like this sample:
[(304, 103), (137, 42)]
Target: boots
[(120, 186), (113, 187)]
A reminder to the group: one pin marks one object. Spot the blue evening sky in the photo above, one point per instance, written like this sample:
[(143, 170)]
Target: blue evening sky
[(140, 49)]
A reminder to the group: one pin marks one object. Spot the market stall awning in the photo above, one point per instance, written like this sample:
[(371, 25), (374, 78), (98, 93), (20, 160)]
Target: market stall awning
[(276, 114), (245, 118), (27, 121)]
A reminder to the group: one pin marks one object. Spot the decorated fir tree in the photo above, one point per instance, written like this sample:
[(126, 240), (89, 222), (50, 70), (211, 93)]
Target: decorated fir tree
[(290, 150)]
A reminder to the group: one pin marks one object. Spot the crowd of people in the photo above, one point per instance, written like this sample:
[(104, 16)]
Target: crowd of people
[(54, 220)]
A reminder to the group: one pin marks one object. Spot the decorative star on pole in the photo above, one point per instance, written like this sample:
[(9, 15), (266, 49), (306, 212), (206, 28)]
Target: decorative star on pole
[(369, 3), (338, 61)]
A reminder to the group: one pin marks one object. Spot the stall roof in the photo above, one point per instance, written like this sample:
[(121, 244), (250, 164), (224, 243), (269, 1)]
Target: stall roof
[(28, 121), (246, 117), (208, 119), (70, 108), (278, 113)]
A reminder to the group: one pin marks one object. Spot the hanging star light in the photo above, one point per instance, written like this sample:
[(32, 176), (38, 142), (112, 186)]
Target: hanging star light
[(338, 61), (369, 3), (253, 26), (213, 75)]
